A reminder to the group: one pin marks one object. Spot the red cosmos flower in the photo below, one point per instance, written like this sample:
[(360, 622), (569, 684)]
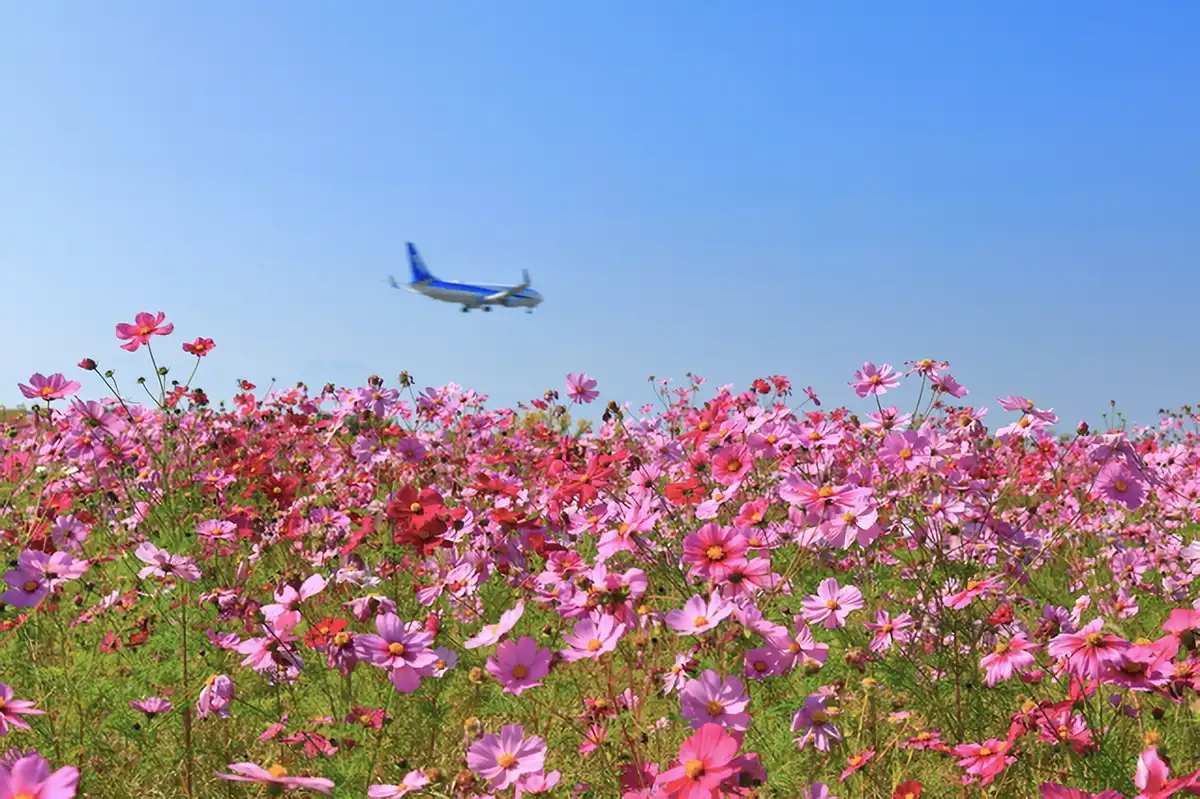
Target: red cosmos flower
[(689, 492), (280, 490), (319, 634), (200, 347), (418, 519), (1002, 615), (908, 790)]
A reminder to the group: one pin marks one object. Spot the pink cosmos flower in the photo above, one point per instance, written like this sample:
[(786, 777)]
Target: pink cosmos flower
[(699, 616), (412, 781), (888, 630), (518, 665), (1088, 651), (28, 586), (581, 388), (30, 778), (871, 380), (832, 603), (164, 564), (215, 697), (405, 652), (1117, 482), (200, 347), (48, 388), (714, 551), (592, 637), (536, 783), (491, 633), (731, 464), (502, 759), (1052, 790), (710, 699), (144, 326), (11, 710), (705, 761), (986, 760), (813, 720), (288, 598), (152, 706), (276, 777), (1007, 658)]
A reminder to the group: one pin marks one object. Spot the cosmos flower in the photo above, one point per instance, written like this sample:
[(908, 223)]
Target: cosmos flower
[(502, 759)]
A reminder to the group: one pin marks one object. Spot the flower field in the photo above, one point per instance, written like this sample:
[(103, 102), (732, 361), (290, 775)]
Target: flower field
[(389, 591)]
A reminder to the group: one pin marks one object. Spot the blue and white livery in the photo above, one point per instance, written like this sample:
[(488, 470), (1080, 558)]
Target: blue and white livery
[(468, 295)]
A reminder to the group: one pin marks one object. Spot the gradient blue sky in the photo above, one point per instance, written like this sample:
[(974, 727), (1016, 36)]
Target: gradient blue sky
[(736, 189)]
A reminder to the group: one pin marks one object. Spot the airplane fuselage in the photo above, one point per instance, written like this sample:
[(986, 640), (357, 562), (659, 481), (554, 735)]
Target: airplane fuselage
[(473, 294)]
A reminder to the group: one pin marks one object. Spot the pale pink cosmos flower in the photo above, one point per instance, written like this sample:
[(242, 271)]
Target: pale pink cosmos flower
[(709, 699), (874, 381), (536, 783), (491, 633), (288, 598), (592, 637), (698, 616), (405, 652), (832, 603), (888, 630), (11, 710), (151, 706), (276, 777), (30, 778), (1008, 658), (215, 696), (144, 326), (519, 664), (502, 759), (164, 564), (54, 387), (413, 780), (68, 533), (581, 388)]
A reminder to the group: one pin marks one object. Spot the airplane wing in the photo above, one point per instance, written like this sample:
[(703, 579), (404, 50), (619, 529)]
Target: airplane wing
[(392, 282), (501, 296)]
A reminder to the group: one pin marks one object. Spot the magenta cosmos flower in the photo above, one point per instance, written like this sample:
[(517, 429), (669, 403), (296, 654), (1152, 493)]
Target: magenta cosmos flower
[(705, 761), (276, 776), (502, 759), (592, 637), (1117, 482), (832, 603), (11, 710), (581, 388), (406, 653), (813, 721), (30, 778), (518, 665), (1007, 658), (1087, 651), (48, 388), (872, 380), (144, 326), (714, 552), (413, 780)]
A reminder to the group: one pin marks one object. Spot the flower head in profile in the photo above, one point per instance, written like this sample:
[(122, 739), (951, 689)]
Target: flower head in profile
[(11, 710), (502, 759), (144, 326), (413, 780), (48, 388), (276, 777), (581, 388)]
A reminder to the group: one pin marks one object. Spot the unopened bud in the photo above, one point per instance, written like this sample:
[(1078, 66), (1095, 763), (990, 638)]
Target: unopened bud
[(1082, 428)]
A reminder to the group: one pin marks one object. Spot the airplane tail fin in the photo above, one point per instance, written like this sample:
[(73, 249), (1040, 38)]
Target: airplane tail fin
[(525, 278), (419, 273)]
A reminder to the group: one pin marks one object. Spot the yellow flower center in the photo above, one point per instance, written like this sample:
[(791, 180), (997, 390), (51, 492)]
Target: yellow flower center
[(849, 517), (984, 751), (694, 769), (29, 586), (715, 552), (520, 671), (1121, 485), (506, 760), (874, 380), (714, 708), (820, 717), (593, 645), (277, 771), (906, 453), (700, 621), (1024, 422), (341, 639), (825, 492), (395, 649), (1001, 648), (415, 507), (831, 604), (1094, 639), (623, 530)]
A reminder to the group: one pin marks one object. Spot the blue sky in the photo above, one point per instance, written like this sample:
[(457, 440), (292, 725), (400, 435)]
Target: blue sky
[(732, 189)]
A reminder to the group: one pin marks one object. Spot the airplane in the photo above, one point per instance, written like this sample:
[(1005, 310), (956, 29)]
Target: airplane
[(469, 295)]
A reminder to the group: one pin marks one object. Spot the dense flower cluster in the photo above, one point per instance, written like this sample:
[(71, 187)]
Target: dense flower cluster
[(383, 592)]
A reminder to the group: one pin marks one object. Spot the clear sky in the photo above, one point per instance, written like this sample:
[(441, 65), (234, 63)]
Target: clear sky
[(738, 189)]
